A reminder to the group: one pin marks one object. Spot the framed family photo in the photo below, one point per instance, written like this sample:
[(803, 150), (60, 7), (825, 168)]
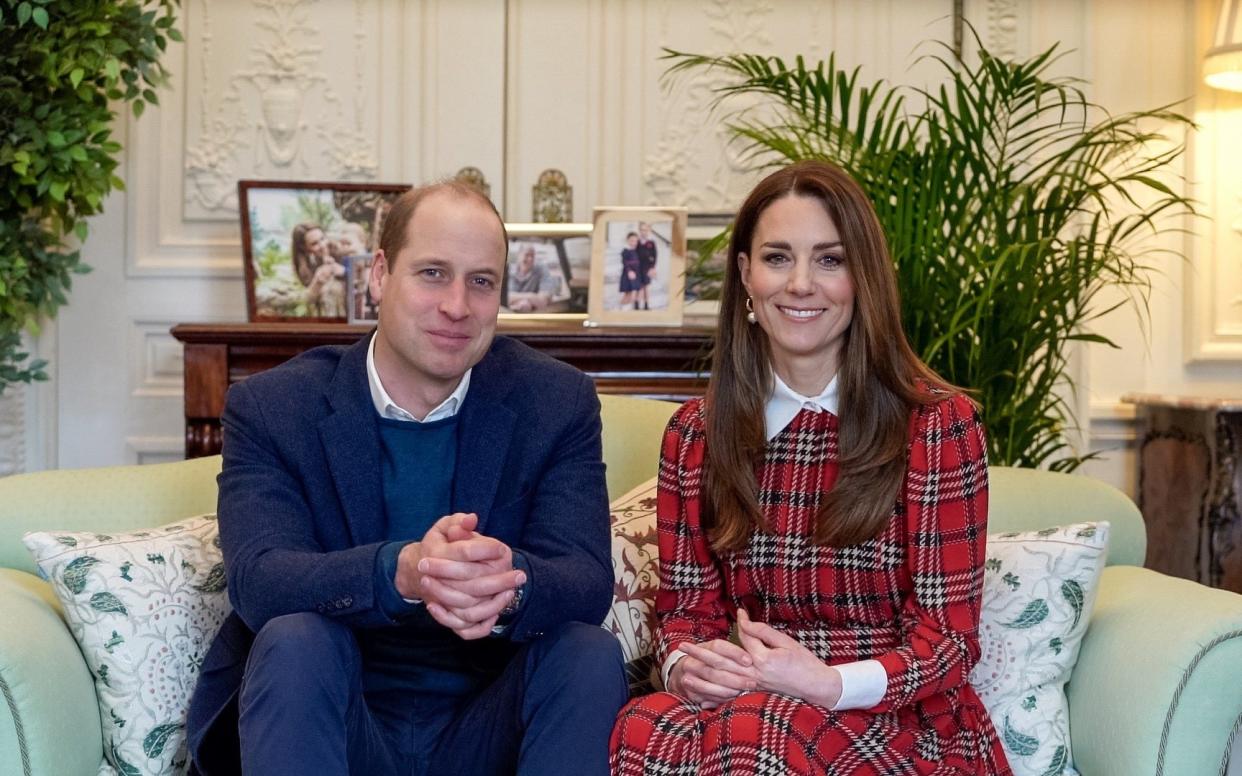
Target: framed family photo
[(548, 271), (638, 262), (304, 244)]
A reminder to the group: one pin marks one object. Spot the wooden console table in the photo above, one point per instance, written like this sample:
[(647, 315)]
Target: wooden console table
[(663, 363)]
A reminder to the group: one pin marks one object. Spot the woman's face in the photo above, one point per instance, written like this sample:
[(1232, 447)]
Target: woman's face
[(632, 241), (798, 278), (315, 243)]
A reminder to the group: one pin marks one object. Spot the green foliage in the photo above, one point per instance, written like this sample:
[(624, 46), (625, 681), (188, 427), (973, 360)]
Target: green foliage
[(1010, 203), (64, 65), (311, 209)]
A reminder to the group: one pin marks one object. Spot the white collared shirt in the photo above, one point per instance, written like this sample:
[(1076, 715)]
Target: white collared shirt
[(387, 408), (784, 403), (863, 682)]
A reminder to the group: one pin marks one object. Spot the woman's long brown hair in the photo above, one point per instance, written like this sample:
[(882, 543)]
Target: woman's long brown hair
[(880, 381)]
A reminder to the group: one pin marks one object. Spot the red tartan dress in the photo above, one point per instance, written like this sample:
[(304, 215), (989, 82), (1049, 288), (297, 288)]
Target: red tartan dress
[(909, 598)]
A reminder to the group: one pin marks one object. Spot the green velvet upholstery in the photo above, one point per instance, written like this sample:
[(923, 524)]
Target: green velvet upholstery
[(1157, 689)]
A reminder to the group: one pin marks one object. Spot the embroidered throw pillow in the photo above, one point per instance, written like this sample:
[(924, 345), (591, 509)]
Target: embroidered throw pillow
[(144, 607), (1038, 592), (635, 565)]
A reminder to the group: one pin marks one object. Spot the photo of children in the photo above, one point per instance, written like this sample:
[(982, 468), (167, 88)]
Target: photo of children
[(299, 240), (636, 278), (637, 265)]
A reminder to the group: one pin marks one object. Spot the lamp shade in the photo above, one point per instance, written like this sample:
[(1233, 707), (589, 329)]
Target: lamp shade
[(1223, 66)]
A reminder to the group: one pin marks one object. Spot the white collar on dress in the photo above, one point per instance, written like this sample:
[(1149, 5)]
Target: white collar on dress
[(784, 403)]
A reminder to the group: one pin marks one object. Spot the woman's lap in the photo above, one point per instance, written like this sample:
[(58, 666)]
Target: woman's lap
[(756, 733)]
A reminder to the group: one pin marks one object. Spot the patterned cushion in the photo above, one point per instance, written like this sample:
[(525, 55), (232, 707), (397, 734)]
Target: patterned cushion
[(144, 607), (1038, 591), (635, 564)]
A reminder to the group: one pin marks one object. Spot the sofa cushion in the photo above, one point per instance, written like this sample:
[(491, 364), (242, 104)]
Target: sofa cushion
[(636, 576), (143, 607), (1038, 592)]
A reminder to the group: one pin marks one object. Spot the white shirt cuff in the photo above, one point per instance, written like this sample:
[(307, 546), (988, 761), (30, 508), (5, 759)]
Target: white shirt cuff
[(863, 684), (669, 662)]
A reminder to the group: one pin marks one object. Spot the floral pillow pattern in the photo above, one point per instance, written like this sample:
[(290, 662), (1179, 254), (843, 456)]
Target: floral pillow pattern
[(144, 607), (1038, 592), (635, 565)]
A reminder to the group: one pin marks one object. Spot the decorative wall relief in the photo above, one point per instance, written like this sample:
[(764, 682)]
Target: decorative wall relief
[(1002, 37), (278, 111), (693, 163)]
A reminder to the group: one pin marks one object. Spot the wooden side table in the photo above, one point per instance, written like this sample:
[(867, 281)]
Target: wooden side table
[(664, 363), (1190, 486)]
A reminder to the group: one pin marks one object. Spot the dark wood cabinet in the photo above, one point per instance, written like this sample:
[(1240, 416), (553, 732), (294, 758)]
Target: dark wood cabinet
[(1190, 486), (664, 363)]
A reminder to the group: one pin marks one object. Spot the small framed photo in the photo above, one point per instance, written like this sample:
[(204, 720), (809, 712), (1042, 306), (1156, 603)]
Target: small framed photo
[(548, 271), (300, 241), (362, 308), (638, 259)]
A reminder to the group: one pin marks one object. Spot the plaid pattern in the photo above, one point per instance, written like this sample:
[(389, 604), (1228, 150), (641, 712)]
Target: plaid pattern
[(909, 598)]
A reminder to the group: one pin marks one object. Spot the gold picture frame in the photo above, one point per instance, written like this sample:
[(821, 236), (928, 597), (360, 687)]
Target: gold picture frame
[(638, 261), (547, 272)]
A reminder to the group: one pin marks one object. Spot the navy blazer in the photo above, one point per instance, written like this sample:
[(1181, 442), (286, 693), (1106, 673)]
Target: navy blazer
[(301, 507)]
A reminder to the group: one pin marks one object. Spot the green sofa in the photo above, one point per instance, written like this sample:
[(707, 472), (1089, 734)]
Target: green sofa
[(1157, 688)]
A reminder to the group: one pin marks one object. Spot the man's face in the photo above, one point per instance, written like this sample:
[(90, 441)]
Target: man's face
[(439, 303), (644, 230)]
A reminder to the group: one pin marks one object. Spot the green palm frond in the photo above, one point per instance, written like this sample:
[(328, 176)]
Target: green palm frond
[(1010, 203)]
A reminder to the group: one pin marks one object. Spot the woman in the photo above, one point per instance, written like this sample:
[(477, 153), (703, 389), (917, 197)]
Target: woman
[(829, 498), (319, 271)]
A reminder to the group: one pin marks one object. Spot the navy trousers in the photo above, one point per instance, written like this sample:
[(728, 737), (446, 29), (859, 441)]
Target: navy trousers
[(302, 709)]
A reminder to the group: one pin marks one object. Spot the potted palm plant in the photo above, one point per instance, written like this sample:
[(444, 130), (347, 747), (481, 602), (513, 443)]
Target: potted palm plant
[(1010, 203)]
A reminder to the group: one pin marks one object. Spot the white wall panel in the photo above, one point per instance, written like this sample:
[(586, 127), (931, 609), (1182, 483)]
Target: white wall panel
[(1213, 284)]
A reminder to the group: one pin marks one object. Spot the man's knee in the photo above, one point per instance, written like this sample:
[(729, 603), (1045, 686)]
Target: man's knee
[(303, 648), (586, 656)]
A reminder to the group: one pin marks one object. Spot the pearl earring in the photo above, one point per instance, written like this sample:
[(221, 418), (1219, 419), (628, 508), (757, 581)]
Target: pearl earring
[(750, 312)]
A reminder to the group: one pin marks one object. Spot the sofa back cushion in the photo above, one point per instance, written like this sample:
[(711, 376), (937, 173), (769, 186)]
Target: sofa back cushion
[(110, 499), (1031, 500)]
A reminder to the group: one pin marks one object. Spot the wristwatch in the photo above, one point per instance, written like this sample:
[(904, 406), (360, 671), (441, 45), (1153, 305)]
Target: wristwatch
[(519, 593)]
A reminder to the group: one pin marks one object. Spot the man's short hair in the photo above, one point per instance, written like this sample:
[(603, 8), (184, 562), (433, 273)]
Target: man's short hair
[(392, 238)]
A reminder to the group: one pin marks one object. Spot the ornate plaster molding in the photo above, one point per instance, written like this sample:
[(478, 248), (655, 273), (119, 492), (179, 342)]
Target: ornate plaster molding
[(259, 121)]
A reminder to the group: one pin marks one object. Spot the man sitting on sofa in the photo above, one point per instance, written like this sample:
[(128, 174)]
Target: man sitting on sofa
[(415, 530)]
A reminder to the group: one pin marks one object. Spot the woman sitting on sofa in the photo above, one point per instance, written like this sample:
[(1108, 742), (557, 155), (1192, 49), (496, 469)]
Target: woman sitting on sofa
[(829, 499)]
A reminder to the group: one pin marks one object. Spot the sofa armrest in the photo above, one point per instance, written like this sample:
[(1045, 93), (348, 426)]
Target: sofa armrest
[(1156, 689), (49, 716)]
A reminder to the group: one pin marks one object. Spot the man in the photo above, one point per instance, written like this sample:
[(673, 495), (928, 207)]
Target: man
[(415, 529), (531, 286)]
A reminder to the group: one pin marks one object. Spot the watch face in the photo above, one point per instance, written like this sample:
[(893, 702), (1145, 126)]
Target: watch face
[(518, 593)]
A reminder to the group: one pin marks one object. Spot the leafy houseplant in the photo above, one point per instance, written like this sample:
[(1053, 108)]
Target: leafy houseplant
[(64, 64), (1010, 203)]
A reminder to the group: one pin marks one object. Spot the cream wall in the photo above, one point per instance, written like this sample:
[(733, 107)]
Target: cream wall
[(406, 91)]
